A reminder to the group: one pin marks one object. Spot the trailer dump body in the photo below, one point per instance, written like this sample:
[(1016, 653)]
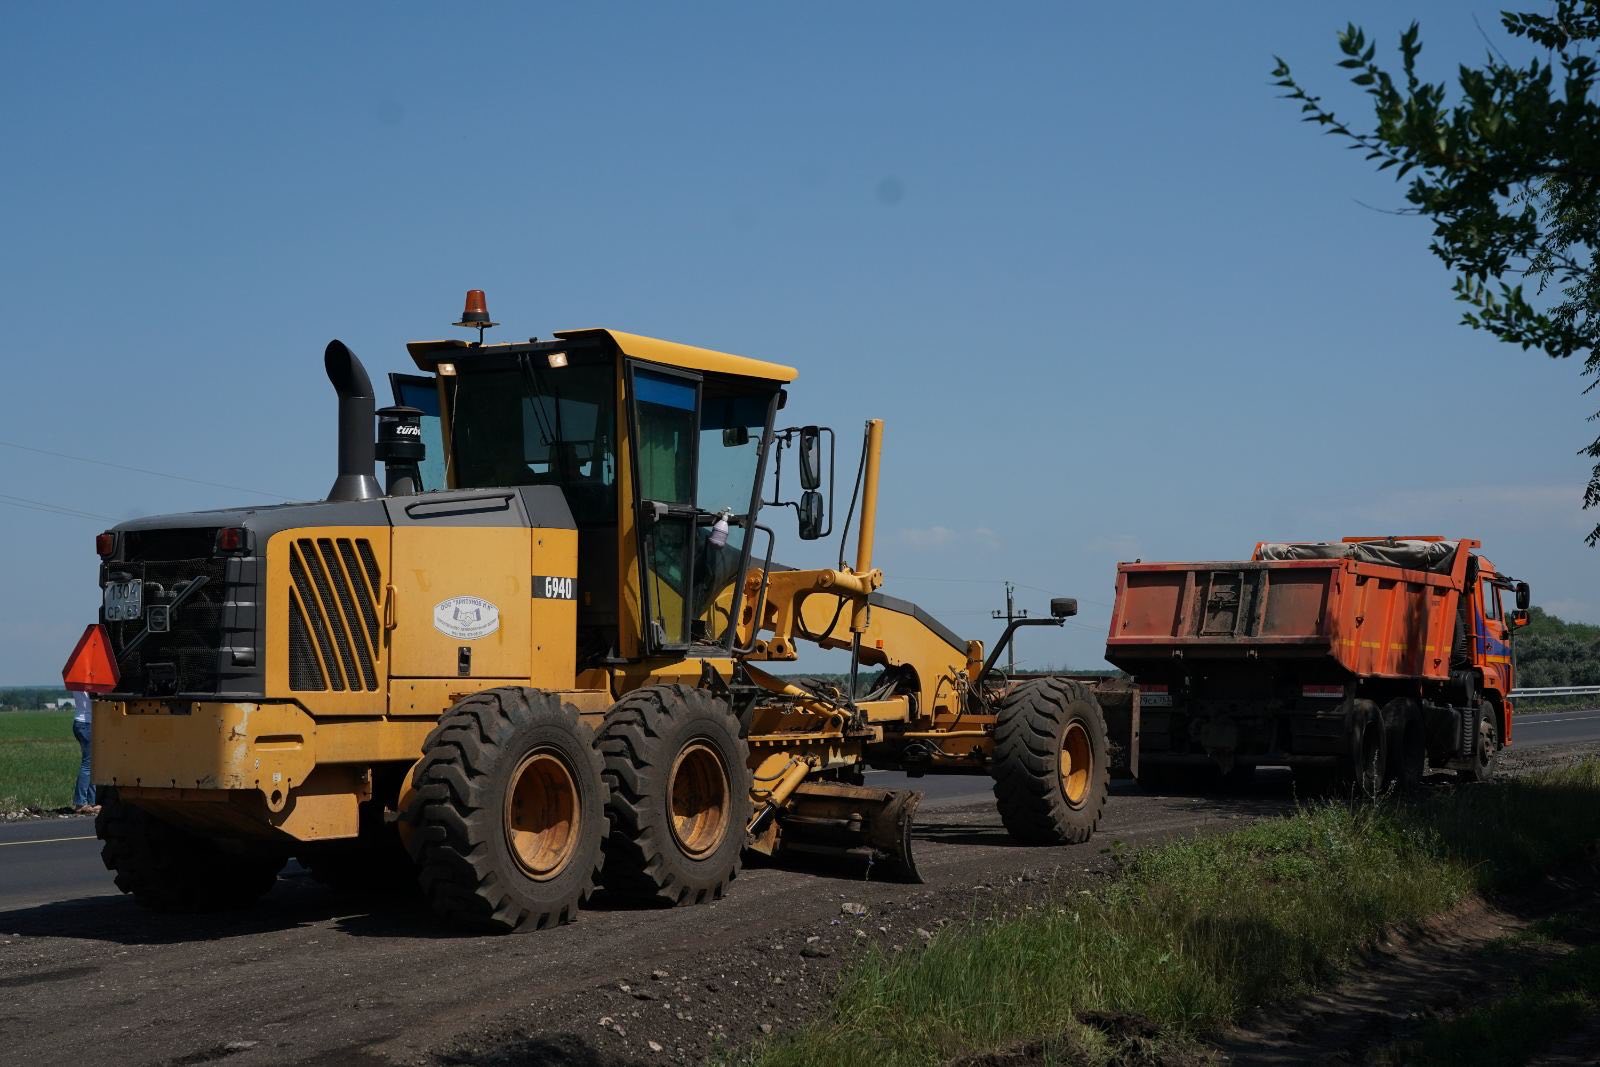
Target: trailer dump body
[(1387, 610), (1289, 656)]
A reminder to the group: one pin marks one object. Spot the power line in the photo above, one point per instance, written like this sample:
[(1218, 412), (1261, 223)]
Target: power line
[(51, 509), (987, 581), (143, 470)]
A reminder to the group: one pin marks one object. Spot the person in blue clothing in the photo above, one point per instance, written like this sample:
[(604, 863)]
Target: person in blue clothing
[(82, 722)]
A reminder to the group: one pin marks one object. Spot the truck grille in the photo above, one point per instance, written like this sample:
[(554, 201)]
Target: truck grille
[(334, 628), (187, 658)]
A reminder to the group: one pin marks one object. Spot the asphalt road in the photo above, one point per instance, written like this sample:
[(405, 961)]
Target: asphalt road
[(48, 860)]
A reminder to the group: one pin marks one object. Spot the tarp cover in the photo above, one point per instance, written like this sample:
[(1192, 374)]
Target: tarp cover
[(1434, 556)]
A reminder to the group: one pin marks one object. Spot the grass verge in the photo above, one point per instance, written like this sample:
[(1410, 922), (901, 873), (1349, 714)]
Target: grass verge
[(1513, 1028), (38, 760), (1193, 935)]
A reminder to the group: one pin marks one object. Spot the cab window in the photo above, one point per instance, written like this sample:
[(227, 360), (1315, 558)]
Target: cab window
[(1491, 600)]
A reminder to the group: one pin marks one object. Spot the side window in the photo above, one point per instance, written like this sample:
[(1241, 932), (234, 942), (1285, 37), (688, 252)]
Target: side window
[(1491, 600), (414, 391), (667, 437)]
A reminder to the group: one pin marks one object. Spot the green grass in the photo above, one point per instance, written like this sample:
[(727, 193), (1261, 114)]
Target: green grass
[(1195, 934), (38, 759)]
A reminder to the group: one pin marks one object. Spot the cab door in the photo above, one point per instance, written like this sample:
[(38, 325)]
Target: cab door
[(665, 417), (1494, 637)]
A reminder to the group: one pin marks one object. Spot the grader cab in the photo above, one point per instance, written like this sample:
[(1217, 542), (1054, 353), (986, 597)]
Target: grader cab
[(527, 666)]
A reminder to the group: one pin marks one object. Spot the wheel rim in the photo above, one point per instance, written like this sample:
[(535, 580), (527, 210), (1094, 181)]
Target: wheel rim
[(542, 815), (1077, 764), (1485, 740), (698, 800)]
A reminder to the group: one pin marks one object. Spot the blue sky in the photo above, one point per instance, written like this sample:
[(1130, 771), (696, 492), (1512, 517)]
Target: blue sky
[(1110, 297)]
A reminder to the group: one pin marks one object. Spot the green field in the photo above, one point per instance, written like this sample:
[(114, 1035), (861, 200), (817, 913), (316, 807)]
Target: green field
[(38, 760)]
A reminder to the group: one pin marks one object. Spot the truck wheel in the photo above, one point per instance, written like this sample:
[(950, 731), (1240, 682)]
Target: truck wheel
[(167, 868), (679, 776), (1408, 748), (1485, 745), (1052, 762), (506, 812), (1365, 768)]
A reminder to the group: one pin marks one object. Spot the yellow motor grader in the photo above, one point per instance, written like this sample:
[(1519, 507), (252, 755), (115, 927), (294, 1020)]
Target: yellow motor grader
[(527, 665)]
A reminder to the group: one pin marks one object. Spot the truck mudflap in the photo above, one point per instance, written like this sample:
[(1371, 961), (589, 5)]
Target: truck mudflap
[(854, 822), (1120, 706)]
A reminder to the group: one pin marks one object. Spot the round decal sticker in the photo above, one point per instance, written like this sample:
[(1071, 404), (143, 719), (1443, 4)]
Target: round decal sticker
[(466, 618)]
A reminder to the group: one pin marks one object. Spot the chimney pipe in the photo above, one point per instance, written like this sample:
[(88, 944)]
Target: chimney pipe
[(357, 456)]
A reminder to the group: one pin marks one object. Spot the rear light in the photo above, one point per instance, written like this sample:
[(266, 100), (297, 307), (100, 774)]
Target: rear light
[(1323, 692), (231, 539), (91, 668), (105, 544)]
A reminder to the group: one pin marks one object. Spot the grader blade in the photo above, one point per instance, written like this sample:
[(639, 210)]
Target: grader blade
[(854, 821)]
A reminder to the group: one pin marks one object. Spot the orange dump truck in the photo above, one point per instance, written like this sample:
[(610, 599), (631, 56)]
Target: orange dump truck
[(1361, 661)]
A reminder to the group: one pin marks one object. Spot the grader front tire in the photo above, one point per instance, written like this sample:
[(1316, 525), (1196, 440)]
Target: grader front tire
[(167, 868), (1052, 762), (679, 777), (507, 811)]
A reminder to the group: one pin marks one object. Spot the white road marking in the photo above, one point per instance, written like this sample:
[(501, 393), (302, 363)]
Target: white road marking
[(1528, 721), (46, 841)]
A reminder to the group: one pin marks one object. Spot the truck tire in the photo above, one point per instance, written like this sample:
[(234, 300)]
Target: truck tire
[(167, 868), (507, 811), (1485, 745), (1364, 770), (679, 777), (1408, 744), (1052, 762)]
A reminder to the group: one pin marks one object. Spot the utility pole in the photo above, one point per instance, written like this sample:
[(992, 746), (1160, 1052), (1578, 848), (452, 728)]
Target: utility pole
[(1009, 615)]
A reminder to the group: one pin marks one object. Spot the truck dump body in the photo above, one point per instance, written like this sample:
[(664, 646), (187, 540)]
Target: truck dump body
[(1325, 656), (1384, 611)]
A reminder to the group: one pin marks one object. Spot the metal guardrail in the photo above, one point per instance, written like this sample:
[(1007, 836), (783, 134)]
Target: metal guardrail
[(1556, 691)]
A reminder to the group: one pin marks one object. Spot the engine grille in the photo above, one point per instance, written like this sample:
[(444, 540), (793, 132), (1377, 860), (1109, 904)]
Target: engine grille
[(334, 629), (188, 657)]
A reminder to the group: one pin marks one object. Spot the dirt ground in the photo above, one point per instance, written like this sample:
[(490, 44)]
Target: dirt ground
[(314, 977)]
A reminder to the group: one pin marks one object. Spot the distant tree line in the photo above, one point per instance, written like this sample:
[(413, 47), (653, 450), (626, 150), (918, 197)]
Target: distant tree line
[(30, 697), (1551, 651)]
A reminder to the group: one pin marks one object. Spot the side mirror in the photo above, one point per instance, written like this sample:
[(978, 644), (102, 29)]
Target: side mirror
[(735, 436), (1524, 597), (810, 515), (1519, 618), (1063, 607), (810, 458)]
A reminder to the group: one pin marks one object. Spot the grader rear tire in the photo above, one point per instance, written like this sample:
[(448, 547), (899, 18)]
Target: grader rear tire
[(167, 868), (679, 776), (507, 811), (1052, 762)]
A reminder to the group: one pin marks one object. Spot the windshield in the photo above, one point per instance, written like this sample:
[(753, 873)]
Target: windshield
[(533, 425)]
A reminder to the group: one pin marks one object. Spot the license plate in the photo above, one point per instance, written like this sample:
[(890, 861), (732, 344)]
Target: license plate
[(1156, 700), (124, 601)]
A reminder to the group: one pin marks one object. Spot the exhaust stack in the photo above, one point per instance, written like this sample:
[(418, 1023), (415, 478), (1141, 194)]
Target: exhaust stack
[(357, 455)]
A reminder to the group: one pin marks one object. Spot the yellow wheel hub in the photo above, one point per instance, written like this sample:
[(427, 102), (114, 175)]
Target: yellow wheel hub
[(542, 815), (1077, 764), (698, 800)]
